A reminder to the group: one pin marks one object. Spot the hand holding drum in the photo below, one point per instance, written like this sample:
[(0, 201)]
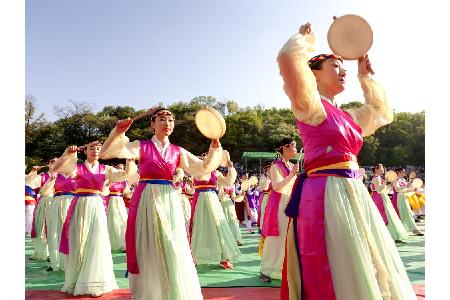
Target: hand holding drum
[(211, 124), (351, 37)]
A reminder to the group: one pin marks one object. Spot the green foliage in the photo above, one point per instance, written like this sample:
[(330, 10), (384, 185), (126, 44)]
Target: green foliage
[(248, 129)]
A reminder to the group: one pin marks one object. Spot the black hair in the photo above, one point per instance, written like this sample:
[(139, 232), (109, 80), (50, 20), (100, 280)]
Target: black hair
[(283, 142), (376, 166)]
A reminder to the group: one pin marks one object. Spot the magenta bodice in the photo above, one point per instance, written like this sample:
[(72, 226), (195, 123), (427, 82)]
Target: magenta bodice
[(86, 180), (211, 181), (63, 184), (153, 166), (117, 186), (338, 138)]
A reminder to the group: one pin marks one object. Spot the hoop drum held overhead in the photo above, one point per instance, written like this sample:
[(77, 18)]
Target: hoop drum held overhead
[(350, 37), (210, 123), (417, 183), (390, 176)]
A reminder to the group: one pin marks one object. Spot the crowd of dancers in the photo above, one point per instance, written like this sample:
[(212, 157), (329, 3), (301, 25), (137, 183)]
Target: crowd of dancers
[(322, 232)]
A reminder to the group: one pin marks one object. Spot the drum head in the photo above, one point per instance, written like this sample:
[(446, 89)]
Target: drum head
[(350, 36), (390, 176), (417, 183), (253, 180), (245, 185), (210, 123)]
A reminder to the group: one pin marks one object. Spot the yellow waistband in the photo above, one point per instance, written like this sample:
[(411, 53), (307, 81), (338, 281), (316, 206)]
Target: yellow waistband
[(115, 193), (91, 191), (351, 165), (73, 192), (142, 179), (29, 198), (204, 186)]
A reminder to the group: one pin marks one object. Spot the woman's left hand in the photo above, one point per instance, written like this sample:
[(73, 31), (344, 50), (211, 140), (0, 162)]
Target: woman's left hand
[(215, 143), (364, 66)]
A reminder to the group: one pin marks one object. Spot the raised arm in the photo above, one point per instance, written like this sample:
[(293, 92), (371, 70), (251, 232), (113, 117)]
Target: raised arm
[(197, 167), (116, 175), (379, 187), (376, 111), (230, 178), (118, 145), (48, 189), (67, 163), (299, 81)]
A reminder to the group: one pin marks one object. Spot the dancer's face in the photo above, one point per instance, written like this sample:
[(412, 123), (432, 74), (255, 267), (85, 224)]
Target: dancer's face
[(289, 151), (163, 125), (93, 151), (380, 170), (331, 76)]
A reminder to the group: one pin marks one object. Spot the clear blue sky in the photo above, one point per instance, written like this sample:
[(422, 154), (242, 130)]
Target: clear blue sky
[(139, 53)]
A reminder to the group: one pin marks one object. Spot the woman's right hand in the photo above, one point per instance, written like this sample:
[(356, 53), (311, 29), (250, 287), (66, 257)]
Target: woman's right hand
[(72, 149), (305, 29), (123, 125), (37, 168), (295, 169)]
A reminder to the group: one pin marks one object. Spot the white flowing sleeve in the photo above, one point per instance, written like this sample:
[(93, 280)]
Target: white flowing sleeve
[(398, 188), (116, 175), (227, 180), (33, 180), (119, 146), (179, 175), (377, 183), (264, 183), (48, 189), (376, 112), (66, 164), (279, 182), (197, 167), (299, 81)]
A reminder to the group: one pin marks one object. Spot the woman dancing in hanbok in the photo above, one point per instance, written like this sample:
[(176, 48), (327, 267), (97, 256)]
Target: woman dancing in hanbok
[(117, 212), (184, 189), (385, 207), (39, 228), (84, 238), (62, 187), (401, 204), (226, 196), (265, 187), (282, 175), (212, 241), (32, 181), (337, 245), (159, 259)]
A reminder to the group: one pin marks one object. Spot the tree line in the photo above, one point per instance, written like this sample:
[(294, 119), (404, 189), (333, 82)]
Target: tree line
[(255, 128)]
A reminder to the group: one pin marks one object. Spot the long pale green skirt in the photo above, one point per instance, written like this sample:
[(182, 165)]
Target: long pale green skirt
[(186, 204), (406, 213), (166, 267), (212, 241), (394, 226), (40, 242), (56, 215), (363, 258), (89, 264), (230, 215), (117, 223)]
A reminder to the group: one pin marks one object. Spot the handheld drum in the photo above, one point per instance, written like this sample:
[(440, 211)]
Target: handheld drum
[(210, 123), (350, 36)]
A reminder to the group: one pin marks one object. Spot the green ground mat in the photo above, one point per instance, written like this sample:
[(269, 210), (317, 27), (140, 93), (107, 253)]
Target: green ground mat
[(244, 274)]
